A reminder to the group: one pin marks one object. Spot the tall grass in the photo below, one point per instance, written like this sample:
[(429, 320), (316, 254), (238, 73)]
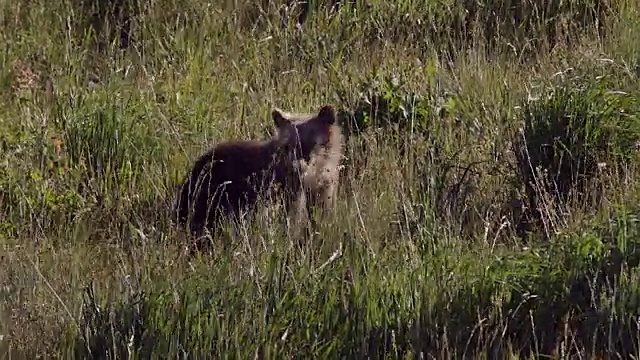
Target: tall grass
[(488, 206)]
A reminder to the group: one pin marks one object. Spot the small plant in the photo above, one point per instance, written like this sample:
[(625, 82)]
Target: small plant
[(576, 128)]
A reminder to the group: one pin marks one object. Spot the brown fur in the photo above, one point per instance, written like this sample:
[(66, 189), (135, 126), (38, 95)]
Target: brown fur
[(231, 177), (321, 170)]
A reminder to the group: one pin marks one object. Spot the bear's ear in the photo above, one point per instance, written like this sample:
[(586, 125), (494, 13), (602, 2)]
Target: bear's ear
[(279, 119), (328, 114)]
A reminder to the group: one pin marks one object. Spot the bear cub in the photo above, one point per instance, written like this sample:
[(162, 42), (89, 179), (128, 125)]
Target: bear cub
[(229, 179)]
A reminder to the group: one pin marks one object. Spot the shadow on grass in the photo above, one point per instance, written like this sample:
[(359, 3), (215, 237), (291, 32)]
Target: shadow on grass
[(562, 299)]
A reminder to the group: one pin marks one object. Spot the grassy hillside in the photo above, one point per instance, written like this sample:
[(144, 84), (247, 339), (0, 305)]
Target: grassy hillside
[(489, 205)]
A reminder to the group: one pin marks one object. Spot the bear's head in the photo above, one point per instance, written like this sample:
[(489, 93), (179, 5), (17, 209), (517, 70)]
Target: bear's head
[(305, 132)]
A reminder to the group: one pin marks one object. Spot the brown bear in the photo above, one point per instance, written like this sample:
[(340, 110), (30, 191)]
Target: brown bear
[(230, 178), (320, 170)]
